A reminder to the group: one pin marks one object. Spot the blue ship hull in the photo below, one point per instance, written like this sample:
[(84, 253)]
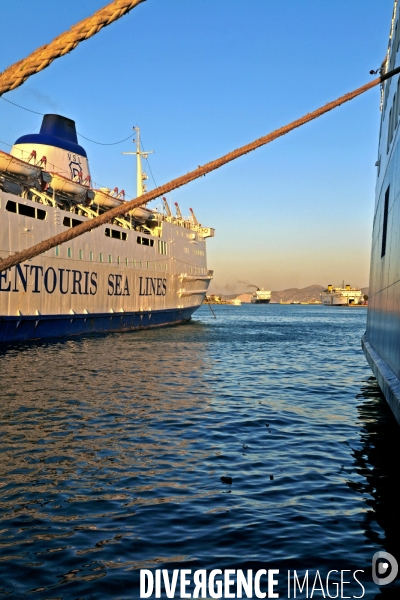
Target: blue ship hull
[(18, 329)]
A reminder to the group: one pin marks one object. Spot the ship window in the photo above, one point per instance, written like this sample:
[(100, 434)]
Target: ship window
[(69, 222), (26, 210), (80, 254), (385, 220), (57, 250), (126, 261), (116, 234), (141, 264), (118, 259), (389, 131), (101, 257), (398, 40), (109, 258), (398, 97), (69, 252), (11, 206), (162, 247), (90, 255), (144, 241)]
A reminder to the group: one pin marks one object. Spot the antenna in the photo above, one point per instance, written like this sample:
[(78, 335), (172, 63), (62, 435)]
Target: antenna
[(141, 176)]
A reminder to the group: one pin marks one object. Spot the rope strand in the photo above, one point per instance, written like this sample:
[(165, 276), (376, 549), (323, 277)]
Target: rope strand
[(16, 74), (106, 217)]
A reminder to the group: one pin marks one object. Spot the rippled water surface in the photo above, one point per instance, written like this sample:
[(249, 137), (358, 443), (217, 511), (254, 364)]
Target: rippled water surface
[(113, 448)]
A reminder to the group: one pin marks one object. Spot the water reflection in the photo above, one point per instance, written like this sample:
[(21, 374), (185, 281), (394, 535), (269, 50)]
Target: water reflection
[(113, 447), (92, 431), (377, 462)]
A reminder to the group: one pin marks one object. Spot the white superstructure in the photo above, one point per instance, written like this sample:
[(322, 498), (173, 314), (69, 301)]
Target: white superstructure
[(341, 296), (146, 269), (261, 296)]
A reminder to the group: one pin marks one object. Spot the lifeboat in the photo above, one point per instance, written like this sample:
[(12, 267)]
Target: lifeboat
[(67, 187), (141, 214), (106, 199), (18, 169)]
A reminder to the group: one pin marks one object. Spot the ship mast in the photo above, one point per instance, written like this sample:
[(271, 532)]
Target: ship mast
[(141, 176)]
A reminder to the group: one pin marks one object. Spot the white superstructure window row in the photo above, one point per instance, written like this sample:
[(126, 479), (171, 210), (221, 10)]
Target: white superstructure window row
[(26, 210), (116, 234)]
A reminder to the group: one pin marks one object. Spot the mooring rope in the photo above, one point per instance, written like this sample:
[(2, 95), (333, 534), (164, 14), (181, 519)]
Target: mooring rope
[(16, 74), (106, 217)]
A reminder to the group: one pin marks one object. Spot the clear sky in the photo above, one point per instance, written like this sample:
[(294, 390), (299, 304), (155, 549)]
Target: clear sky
[(202, 77)]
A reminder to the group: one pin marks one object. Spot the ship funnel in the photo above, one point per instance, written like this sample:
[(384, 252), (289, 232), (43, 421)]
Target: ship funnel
[(330, 287), (59, 127), (347, 287), (58, 141)]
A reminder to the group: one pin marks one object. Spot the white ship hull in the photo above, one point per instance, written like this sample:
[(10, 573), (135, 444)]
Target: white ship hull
[(143, 270), (339, 300), (341, 296), (95, 282), (381, 341)]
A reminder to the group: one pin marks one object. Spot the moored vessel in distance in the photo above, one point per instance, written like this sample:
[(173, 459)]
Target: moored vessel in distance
[(342, 296), (381, 342), (145, 269), (260, 296)]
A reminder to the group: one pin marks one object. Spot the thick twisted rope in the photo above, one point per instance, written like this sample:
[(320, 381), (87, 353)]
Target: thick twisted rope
[(106, 217), (16, 74)]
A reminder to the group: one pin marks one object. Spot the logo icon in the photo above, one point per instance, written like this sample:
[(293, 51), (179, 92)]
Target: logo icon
[(384, 568)]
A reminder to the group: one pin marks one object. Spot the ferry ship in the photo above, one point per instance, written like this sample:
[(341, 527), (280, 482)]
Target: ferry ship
[(381, 342), (146, 269), (341, 296), (260, 296)]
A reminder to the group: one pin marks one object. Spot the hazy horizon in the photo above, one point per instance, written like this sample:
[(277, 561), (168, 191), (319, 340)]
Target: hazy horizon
[(230, 289)]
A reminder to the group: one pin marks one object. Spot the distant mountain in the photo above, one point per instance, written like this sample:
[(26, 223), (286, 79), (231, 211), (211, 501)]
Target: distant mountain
[(245, 298), (307, 294)]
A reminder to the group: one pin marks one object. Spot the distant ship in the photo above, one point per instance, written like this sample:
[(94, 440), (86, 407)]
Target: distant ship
[(341, 296), (142, 270), (381, 342), (260, 296)]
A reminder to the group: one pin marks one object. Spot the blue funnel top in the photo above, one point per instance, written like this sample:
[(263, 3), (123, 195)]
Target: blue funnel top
[(55, 131)]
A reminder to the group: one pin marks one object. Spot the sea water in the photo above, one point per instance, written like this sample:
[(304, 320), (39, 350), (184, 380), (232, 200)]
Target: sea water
[(256, 440)]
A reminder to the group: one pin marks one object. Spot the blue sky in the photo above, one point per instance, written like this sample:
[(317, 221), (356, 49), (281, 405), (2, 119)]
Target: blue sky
[(202, 77)]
